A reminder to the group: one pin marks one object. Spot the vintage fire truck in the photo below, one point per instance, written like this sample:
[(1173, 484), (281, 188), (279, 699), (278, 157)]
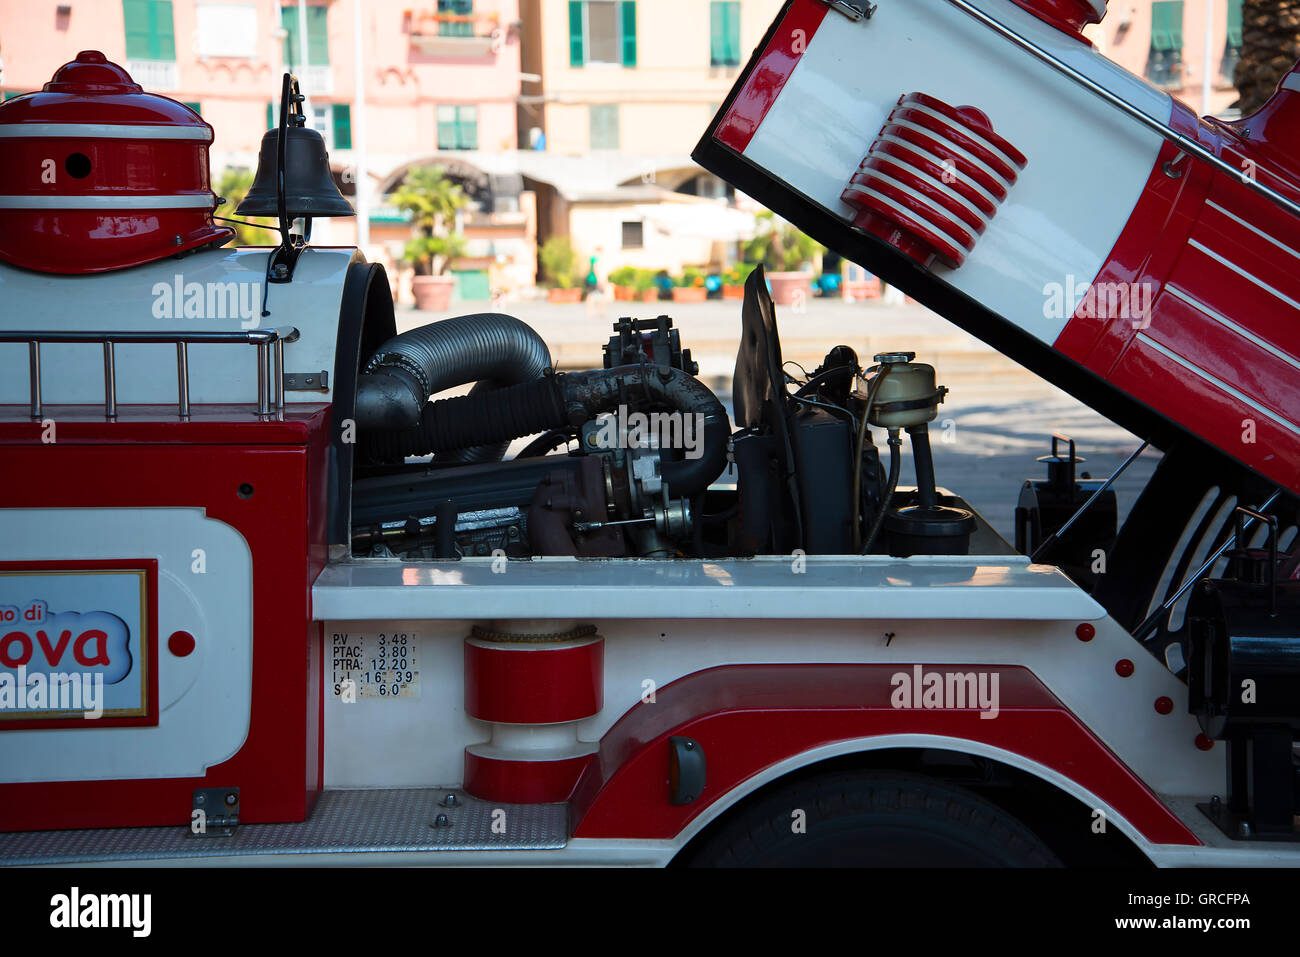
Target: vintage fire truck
[(269, 595)]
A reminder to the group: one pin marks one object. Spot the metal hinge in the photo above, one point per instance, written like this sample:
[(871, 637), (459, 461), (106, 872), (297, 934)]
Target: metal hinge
[(856, 12), (214, 812), (306, 382)]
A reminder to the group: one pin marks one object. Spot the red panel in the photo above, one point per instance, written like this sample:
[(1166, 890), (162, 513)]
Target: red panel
[(278, 769), (524, 782), (528, 684), (769, 76), (159, 425), (1202, 236), (750, 717), (1068, 16)]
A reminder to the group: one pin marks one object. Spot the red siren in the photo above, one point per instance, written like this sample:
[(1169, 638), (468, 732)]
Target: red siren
[(100, 175)]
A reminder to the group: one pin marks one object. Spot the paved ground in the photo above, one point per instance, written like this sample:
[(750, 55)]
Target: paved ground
[(998, 418)]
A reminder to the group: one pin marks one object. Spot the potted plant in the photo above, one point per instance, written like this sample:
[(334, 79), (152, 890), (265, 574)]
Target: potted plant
[(433, 201), (646, 290), (690, 287), (560, 264), (733, 280), (624, 282), (786, 253)]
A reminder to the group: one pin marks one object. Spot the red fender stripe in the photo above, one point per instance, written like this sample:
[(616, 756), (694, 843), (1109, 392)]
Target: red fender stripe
[(748, 718)]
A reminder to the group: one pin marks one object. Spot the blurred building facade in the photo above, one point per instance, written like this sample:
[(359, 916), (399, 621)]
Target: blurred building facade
[(1165, 41), (616, 93), (440, 86)]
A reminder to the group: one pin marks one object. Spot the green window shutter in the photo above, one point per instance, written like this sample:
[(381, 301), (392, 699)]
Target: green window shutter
[(318, 48), (289, 20), (10, 94), (270, 116), (629, 32), (457, 127), (135, 16), (1234, 23), (576, 52), (1167, 25), (318, 43), (469, 127), (724, 33), (164, 30), (194, 107), (342, 119), (150, 33)]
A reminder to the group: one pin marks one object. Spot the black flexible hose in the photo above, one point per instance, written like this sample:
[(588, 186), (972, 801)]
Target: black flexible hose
[(567, 401), (895, 468)]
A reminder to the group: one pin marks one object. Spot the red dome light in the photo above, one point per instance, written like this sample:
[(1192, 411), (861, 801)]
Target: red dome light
[(100, 175)]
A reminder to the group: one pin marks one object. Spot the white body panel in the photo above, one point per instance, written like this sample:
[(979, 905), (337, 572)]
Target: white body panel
[(204, 699), (663, 621), (143, 300), (851, 75)]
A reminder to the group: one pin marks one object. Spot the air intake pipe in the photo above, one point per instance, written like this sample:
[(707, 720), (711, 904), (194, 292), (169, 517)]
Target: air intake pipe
[(492, 349), (568, 401)]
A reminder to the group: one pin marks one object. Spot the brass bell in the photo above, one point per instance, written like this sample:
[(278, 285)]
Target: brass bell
[(308, 185)]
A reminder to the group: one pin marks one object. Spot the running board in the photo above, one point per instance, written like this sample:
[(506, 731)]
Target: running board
[(377, 821)]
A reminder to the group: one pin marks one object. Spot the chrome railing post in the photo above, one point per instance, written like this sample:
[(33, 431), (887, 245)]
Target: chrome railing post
[(34, 380), (183, 379), (110, 381)]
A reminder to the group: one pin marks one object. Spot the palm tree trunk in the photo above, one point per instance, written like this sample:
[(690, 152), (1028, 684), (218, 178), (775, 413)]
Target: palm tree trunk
[(1270, 47)]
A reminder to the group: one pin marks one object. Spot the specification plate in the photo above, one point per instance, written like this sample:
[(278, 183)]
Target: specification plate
[(375, 665)]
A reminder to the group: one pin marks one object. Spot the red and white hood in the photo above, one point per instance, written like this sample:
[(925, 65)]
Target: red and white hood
[(926, 145)]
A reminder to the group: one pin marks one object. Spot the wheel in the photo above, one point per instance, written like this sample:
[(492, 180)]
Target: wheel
[(872, 819)]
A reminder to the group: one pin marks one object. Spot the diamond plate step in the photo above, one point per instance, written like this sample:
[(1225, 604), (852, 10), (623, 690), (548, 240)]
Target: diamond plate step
[(343, 821)]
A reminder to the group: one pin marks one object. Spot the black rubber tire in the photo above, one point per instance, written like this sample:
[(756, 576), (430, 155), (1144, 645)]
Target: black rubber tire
[(872, 819)]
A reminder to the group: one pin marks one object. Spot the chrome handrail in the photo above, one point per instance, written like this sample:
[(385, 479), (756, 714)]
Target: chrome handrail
[(270, 360)]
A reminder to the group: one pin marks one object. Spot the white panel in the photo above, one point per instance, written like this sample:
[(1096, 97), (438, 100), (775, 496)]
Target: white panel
[(227, 29), (1087, 165), (205, 698), (144, 299)]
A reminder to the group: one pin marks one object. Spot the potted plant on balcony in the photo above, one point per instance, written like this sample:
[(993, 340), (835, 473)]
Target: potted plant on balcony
[(560, 265), (690, 287), (786, 253), (433, 202)]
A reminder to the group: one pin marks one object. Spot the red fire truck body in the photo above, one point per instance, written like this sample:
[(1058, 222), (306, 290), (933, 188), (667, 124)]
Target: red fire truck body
[(314, 617)]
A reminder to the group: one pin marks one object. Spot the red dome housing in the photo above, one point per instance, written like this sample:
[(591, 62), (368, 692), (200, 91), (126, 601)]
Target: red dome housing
[(100, 175)]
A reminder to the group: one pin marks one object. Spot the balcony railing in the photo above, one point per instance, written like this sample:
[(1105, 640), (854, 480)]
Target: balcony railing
[(455, 34), (154, 74)]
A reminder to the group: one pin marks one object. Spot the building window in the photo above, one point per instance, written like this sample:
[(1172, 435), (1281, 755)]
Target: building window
[(604, 127), (150, 33), (333, 121), (634, 235), (1232, 51), (1165, 63), (456, 28), (318, 46), (724, 33), (602, 31), (227, 29), (458, 127), (341, 126)]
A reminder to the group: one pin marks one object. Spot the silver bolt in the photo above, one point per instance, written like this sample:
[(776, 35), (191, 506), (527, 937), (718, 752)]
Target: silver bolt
[(450, 801), (442, 821), (231, 799)]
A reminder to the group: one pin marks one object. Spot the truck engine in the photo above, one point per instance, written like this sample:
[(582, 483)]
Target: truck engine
[(646, 443)]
